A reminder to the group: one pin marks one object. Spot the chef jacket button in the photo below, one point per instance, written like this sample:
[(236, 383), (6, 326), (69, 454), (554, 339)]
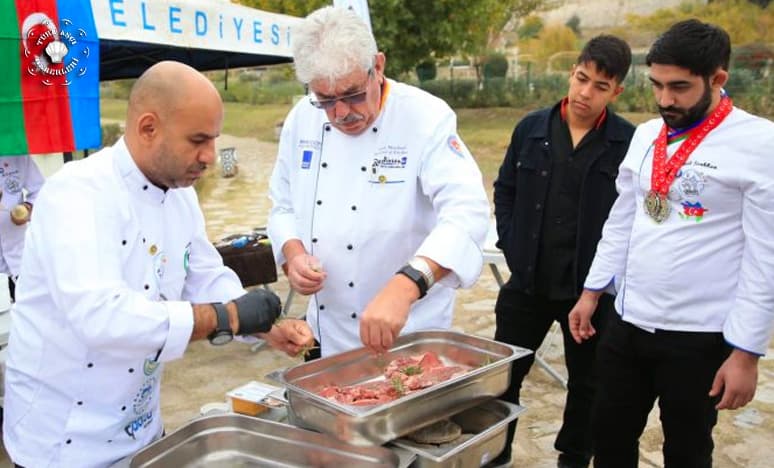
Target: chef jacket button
[(534, 235), (68, 441), (349, 246), (529, 267), (327, 128), (374, 129), (558, 221), (325, 164), (363, 168), (354, 315), (545, 143), (145, 187), (319, 202), (80, 403), (110, 441), (123, 408), (544, 173), (314, 240), (123, 242), (131, 370), (538, 206), (147, 287), (322, 307), (90, 365), (354, 208), (351, 284), (143, 240)]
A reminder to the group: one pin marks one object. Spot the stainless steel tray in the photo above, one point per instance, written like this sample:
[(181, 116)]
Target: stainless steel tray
[(233, 440), (487, 423), (375, 425)]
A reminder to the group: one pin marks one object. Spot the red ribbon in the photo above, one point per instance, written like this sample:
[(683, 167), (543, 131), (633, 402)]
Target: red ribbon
[(664, 172)]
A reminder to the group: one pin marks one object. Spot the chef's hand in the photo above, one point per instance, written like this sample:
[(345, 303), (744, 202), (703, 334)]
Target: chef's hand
[(580, 316), (305, 273), (291, 336), (257, 311), (386, 314), (736, 380)]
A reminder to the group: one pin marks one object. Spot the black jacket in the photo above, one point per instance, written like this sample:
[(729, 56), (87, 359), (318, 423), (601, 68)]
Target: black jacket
[(521, 189)]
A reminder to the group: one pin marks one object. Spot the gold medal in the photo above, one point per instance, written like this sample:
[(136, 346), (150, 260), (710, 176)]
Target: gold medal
[(657, 206)]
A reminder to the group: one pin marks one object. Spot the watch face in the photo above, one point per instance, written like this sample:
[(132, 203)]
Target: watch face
[(221, 338)]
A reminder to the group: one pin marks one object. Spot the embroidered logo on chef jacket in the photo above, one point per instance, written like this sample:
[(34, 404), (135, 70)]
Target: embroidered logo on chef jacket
[(12, 184), (389, 165), (140, 404), (308, 148), (455, 144), (690, 183), (692, 211)]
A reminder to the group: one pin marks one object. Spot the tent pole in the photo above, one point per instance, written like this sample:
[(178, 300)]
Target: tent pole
[(225, 82)]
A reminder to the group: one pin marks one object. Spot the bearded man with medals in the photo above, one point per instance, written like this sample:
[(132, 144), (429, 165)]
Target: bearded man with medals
[(687, 248)]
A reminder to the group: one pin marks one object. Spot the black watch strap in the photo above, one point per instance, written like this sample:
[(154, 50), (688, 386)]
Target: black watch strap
[(222, 333), (416, 276)]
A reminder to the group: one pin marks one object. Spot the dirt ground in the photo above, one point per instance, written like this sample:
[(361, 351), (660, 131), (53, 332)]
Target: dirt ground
[(743, 438)]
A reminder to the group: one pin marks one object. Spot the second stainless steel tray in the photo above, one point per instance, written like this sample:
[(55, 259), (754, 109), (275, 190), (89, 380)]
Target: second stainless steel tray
[(375, 425), (485, 427), (233, 440)]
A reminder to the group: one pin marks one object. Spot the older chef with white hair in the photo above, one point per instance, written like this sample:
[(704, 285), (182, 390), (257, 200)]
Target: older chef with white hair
[(379, 211)]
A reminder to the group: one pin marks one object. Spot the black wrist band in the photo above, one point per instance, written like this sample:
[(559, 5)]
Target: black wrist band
[(416, 276)]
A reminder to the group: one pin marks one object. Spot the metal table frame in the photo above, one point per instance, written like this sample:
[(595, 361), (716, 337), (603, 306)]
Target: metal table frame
[(494, 257)]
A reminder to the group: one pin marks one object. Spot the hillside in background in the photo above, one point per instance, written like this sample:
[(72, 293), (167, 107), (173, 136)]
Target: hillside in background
[(605, 14)]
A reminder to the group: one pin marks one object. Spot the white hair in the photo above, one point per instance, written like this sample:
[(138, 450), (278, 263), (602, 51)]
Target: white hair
[(330, 43)]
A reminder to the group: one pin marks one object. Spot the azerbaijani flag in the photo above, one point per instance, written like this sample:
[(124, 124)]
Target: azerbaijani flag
[(49, 94)]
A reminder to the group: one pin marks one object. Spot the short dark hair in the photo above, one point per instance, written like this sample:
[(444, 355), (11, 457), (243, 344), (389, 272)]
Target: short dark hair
[(611, 55), (701, 48)]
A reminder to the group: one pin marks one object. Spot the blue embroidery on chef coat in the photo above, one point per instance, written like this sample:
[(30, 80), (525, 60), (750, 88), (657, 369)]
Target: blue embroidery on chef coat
[(306, 159)]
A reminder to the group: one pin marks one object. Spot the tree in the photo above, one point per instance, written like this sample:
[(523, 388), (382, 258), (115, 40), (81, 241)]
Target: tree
[(409, 31), (530, 27), (744, 21), (574, 24)]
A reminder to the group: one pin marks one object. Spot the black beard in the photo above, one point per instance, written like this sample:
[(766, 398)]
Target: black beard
[(686, 118)]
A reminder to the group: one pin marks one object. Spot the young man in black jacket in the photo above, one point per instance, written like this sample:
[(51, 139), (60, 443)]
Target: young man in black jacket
[(552, 196)]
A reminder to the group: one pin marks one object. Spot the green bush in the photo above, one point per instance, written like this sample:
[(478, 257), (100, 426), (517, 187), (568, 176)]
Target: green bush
[(495, 66), (426, 70)]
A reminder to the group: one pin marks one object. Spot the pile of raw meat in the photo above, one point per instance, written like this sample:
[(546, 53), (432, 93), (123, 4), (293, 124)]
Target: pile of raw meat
[(401, 377)]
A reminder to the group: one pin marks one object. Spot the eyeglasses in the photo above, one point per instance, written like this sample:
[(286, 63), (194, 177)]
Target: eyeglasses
[(350, 99)]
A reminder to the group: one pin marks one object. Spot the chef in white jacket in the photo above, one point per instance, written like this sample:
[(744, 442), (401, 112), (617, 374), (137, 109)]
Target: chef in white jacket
[(20, 182), (379, 211), (117, 278)]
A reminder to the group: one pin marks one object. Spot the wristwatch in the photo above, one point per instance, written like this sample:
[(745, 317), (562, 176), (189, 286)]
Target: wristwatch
[(222, 333), (421, 264), (416, 276)]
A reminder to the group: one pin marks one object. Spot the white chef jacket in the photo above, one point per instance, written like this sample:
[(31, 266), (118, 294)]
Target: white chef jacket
[(710, 266), (109, 261), (20, 181), (366, 204)]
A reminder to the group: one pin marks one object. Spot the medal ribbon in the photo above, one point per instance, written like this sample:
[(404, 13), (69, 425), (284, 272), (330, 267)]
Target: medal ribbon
[(664, 172)]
